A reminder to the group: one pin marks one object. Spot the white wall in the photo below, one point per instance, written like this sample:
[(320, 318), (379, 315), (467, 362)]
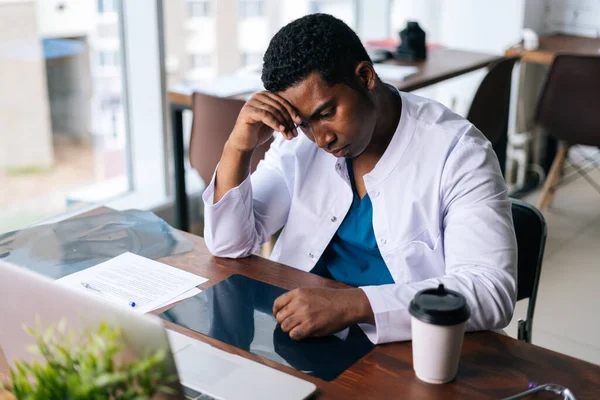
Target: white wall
[(578, 17), (427, 12), (485, 26), (373, 19)]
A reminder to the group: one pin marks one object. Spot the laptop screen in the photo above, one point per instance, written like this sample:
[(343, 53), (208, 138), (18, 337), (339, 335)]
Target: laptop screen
[(238, 311)]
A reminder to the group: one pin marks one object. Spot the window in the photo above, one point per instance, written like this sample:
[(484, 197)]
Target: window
[(107, 31), (200, 61), (108, 58), (198, 8), (252, 8), (78, 139), (107, 6), (342, 9), (251, 59)]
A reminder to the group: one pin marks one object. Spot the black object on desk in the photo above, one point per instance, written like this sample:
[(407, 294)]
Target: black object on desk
[(238, 311), (412, 43)]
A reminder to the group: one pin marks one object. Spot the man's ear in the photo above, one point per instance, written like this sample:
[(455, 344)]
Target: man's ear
[(366, 74)]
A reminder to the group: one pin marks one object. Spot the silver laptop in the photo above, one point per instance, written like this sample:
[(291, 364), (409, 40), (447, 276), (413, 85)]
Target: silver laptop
[(205, 372)]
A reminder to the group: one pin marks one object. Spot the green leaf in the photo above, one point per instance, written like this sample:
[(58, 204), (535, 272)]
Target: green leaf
[(33, 349), (62, 326), (81, 365)]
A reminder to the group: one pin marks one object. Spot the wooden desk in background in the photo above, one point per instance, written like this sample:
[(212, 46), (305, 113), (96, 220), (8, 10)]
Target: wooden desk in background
[(492, 365), (441, 64), (551, 45)]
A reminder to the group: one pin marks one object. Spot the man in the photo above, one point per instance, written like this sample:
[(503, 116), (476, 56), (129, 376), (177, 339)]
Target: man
[(386, 191)]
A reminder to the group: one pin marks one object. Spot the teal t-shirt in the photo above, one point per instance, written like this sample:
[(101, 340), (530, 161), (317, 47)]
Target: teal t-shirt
[(352, 256)]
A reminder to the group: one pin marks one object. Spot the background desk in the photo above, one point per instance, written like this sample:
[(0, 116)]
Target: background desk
[(549, 47), (492, 365), (441, 64)]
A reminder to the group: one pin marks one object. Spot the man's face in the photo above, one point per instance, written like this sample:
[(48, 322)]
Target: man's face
[(338, 118)]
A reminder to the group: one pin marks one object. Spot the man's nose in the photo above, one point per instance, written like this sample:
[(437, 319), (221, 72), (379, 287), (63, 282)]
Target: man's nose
[(324, 140)]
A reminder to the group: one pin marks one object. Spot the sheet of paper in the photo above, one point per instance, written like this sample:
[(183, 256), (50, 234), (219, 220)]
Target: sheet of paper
[(183, 296), (394, 72), (134, 281)]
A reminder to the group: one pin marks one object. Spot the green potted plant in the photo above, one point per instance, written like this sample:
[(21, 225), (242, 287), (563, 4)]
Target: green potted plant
[(85, 365)]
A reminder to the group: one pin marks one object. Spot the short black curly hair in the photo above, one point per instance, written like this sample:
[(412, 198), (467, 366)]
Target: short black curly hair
[(315, 42)]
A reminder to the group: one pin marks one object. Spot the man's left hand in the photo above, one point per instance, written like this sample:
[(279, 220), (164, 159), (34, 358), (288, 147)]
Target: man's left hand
[(310, 312)]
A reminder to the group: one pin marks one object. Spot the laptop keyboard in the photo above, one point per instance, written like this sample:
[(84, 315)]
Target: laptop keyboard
[(192, 394)]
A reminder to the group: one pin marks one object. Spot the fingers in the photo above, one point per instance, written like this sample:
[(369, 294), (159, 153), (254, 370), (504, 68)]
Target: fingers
[(258, 114), (277, 108), (280, 123), (289, 107), (285, 312), (282, 301), (290, 323), (300, 331)]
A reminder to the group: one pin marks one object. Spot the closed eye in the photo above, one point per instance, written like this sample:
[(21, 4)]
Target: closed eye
[(328, 113)]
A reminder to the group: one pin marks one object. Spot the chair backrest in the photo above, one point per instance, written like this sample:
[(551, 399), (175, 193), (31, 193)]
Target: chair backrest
[(212, 123), (569, 104), (530, 229), (490, 106)]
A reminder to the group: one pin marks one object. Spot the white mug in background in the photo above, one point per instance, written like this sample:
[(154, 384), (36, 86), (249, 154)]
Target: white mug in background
[(530, 39)]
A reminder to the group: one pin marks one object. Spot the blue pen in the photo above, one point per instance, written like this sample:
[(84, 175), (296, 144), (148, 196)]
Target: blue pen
[(86, 285)]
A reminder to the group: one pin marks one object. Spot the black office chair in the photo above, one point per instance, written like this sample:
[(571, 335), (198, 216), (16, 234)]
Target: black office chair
[(490, 106), (568, 111), (530, 229)]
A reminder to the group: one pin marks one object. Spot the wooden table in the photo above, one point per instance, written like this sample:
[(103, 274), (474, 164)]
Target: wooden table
[(441, 64), (492, 366), (551, 45)]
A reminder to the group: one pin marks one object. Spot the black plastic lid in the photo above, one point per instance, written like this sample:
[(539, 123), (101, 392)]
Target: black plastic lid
[(440, 307)]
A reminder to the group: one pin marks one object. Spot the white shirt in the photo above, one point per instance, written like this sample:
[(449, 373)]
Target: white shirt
[(440, 215)]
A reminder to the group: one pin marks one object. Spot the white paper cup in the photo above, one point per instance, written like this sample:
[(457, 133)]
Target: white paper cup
[(436, 350), (438, 324)]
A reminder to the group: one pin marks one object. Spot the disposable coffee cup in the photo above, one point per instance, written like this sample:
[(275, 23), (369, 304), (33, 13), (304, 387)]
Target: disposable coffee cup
[(438, 318)]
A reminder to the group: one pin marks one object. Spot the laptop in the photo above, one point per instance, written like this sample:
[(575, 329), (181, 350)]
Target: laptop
[(204, 371)]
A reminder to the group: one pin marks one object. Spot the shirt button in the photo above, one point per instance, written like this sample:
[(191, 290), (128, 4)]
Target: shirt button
[(311, 255), (333, 219), (383, 241), (338, 166), (376, 193)]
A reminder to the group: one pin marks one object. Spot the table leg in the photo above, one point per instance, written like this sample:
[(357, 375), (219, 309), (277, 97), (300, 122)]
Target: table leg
[(181, 201)]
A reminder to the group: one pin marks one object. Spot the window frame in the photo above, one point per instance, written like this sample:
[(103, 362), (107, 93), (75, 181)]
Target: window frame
[(144, 89)]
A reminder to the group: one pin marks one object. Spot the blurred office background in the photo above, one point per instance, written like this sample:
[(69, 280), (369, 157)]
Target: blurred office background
[(84, 108)]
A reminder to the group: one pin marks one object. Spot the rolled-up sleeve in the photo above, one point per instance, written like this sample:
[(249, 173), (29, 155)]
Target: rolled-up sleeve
[(480, 248), (247, 215)]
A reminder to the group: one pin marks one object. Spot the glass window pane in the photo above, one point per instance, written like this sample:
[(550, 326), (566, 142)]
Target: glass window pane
[(228, 43), (64, 134), (252, 8), (198, 8)]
